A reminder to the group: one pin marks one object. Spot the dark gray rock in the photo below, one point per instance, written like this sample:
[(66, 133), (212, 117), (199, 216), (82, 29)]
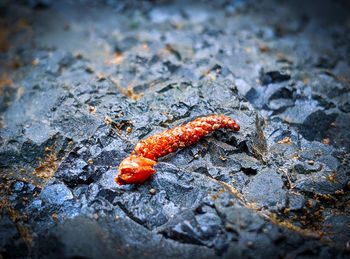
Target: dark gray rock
[(322, 182), (10, 245), (55, 62), (274, 77), (345, 107), (326, 62), (75, 124), (56, 194), (74, 238), (9, 154), (38, 132), (280, 104), (38, 3), (305, 168), (18, 186), (74, 171), (295, 201), (316, 125), (266, 189)]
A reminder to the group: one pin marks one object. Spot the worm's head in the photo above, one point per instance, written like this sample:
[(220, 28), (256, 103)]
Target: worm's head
[(135, 169)]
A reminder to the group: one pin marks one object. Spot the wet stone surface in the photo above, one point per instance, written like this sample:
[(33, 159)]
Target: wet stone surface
[(77, 94)]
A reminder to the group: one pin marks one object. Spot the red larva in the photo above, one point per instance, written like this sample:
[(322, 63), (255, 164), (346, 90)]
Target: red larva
[(139, 166)]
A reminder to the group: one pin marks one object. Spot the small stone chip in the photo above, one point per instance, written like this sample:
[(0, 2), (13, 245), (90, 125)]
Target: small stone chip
[(311, 162), (128, 130), (90, 161), (250, 244), (54, 216), (152, 191)]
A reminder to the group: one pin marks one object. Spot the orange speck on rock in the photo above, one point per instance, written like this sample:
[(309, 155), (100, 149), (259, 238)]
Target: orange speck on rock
[(78, 55), (325, 141), (35, 62), (264, 48), (100, 76), (108, 120), (223, 158), (93, 110), (285, 140), (117, 59)]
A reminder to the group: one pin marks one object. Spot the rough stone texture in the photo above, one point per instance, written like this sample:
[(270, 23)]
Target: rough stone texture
[(82, 83)]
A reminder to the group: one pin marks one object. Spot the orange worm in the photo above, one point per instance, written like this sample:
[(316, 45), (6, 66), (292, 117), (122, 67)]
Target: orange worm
[(139, 166)]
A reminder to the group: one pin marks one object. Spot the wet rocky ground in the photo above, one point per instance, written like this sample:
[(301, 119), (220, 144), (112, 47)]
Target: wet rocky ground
[(82, 82)]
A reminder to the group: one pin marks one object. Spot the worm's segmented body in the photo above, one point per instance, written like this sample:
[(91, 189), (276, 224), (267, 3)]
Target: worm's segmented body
[(139, 166), (171, 140)]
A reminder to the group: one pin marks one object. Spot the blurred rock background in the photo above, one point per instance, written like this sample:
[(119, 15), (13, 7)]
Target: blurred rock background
[(82, 82)]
